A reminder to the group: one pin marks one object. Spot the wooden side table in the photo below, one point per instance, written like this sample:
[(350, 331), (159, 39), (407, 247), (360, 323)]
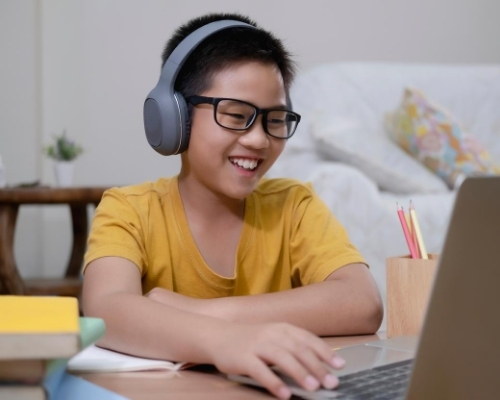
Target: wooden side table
[(77, 198)]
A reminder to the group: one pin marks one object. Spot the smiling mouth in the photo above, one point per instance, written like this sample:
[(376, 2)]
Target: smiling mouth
[(249, 164)]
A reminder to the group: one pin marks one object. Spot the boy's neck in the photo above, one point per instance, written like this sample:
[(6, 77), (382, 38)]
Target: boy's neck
[(203, 201)]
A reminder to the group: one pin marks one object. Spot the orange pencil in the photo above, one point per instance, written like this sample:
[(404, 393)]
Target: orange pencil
[(416, 226), (413, 232)]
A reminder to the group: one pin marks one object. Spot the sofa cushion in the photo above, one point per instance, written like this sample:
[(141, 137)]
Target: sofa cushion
[(348, 141), (428, 132)]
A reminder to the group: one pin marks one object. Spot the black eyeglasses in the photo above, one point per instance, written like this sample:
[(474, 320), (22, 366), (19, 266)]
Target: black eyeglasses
[(238, 115)]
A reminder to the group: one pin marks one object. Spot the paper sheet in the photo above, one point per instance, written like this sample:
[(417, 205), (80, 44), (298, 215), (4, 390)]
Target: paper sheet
[(96, 359)]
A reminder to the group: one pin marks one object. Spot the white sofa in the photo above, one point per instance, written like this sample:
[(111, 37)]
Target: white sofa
[(363, 173)]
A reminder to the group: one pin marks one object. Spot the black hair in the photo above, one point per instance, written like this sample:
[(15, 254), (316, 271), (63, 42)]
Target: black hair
[(225, 48)]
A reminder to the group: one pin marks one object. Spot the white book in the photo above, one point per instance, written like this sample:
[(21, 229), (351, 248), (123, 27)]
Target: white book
[(96, 359)]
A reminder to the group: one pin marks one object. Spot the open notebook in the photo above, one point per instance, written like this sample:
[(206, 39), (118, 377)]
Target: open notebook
[(97, 359)]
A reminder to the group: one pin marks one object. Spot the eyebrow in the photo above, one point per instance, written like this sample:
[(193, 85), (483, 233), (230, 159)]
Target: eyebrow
[(281, 106)]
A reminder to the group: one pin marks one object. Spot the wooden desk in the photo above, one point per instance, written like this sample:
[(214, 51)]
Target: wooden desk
[(10, 199), (194, 384)]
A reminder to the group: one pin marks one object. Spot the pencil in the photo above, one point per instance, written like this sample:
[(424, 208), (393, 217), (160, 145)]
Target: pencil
[(406, 232), (416, 226), (413, 235)]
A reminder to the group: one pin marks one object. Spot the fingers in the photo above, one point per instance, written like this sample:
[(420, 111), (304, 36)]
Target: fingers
[(301, 363), (289, 363), (309, 359), (263, 374), (322, 350), (300, 355)]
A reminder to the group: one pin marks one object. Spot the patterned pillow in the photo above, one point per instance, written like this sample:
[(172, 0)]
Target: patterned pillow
[(430, 134)]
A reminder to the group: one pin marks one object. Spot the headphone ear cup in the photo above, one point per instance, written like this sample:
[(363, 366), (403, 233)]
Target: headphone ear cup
[(166, 115), (185, 122)]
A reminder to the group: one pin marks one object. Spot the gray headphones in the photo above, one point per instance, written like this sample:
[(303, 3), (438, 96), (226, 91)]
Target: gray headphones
[(165, 111)]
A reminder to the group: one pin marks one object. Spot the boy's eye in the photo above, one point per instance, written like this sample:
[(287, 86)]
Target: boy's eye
[(275, 121), (276, 118), (235, 116), (233, 120)]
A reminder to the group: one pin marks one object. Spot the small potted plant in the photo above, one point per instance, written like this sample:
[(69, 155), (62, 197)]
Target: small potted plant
[(63, 151)]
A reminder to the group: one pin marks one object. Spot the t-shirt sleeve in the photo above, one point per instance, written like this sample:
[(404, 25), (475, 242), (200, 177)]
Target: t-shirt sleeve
[(319, 243), (117, 230)]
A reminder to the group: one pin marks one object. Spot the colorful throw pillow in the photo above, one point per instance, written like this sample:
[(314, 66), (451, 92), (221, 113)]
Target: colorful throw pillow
[(430, 134)]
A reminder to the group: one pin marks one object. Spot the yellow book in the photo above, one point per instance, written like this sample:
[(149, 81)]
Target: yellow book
[(38, 327)]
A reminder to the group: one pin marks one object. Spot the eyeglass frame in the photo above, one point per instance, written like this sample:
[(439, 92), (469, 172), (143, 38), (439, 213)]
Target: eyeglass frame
[(196, 100)]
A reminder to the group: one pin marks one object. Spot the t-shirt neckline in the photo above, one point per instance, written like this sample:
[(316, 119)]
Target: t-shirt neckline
[(192, 251)]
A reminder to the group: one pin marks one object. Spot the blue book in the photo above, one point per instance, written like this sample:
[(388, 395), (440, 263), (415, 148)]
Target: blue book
[(75, 388), (60, 386)]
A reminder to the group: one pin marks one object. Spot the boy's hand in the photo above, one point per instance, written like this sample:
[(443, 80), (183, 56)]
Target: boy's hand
[(250, 349)]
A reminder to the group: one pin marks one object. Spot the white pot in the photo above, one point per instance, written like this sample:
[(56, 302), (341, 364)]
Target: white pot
[(64, 173)]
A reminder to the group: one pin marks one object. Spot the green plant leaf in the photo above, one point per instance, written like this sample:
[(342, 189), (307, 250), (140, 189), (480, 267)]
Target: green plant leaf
[(63, 148)]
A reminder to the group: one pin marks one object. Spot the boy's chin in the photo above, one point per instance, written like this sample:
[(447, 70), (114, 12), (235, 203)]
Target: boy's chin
[(239, 193)]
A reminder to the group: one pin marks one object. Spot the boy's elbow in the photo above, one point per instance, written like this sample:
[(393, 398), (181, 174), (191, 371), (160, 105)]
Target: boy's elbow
[(374, 313)]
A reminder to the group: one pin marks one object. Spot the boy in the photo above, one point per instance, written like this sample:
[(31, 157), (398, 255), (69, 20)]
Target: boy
[(214, 265)]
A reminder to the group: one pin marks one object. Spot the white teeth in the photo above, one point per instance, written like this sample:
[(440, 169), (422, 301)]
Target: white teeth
[(244, 163)]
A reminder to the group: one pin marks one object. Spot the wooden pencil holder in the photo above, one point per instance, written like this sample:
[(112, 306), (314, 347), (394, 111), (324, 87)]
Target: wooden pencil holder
[(409, 282)]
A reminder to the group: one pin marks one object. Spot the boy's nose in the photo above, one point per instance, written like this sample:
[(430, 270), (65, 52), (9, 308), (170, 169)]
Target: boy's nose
[(255, 136)]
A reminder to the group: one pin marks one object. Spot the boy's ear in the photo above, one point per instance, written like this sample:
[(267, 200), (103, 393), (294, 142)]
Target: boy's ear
[(166, 118)]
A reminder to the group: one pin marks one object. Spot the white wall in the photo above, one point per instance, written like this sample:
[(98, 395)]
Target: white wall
[(86, 65), (20, 116)]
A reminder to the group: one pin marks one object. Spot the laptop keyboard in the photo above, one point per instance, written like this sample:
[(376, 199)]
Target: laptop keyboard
[(388, 382)]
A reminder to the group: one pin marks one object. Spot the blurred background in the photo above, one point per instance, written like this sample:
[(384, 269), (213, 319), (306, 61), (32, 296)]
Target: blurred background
[(86, 66)]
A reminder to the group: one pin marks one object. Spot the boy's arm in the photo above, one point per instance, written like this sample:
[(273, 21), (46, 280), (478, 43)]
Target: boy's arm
[(140, 326), (347, 302)]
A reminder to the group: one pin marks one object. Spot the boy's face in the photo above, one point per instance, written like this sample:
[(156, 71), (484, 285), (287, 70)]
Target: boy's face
[(227, 162)]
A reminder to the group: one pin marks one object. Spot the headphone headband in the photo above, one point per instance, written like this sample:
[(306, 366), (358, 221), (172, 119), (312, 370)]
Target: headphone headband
[(165, 111)]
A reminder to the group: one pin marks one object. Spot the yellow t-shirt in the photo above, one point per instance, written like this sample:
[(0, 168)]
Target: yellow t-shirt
[(289, 239)]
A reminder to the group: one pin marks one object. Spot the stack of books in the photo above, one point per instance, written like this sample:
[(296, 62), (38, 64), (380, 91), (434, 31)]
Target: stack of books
[(38, 336)]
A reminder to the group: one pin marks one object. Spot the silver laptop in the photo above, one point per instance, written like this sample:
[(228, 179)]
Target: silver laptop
[(457, 355)]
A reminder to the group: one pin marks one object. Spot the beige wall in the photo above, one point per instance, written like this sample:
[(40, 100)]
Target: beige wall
[(20, 115), (86, 65)]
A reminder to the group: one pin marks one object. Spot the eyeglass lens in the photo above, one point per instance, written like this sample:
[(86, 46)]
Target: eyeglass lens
[(233, 114)]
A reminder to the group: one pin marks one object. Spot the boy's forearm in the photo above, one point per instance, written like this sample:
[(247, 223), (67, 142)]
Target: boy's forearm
[(139, 326), (333, 307), (326, 309)]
